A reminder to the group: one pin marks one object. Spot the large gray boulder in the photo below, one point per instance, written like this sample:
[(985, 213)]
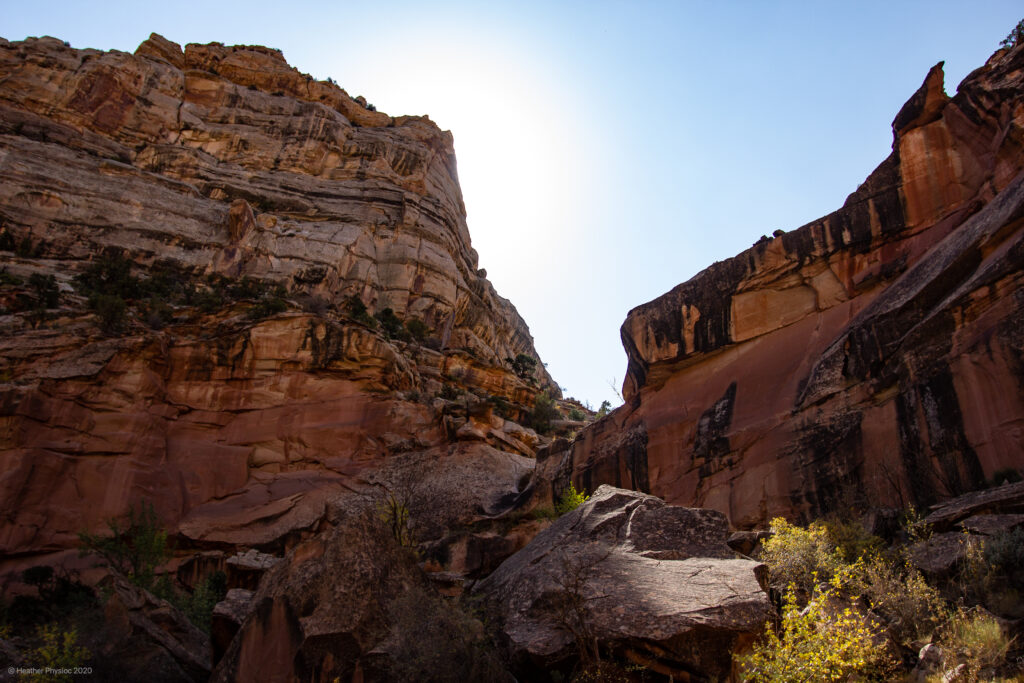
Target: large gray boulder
[(649, 581)]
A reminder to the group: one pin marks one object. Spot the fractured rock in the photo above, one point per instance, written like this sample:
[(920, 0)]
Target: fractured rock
[(648, 580)]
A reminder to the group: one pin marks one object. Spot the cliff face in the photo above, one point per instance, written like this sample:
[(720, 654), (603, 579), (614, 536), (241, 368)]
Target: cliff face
[(210, 167), (872, 355)]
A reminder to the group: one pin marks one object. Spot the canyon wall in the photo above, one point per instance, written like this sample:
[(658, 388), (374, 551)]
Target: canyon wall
[(214, 168), (873, 356)]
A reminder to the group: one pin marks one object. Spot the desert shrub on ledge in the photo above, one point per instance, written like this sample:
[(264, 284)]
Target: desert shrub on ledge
[(815, 570)]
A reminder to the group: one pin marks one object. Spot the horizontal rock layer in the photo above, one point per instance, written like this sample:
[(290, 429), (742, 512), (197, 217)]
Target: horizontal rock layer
[(872, 355), (224, 162)]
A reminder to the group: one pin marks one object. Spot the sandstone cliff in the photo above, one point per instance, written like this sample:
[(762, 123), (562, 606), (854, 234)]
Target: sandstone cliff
[(220, 169), (871, 355)]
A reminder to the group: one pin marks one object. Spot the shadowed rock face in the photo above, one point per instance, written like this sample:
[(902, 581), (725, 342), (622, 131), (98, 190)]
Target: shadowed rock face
[(225, 161), (872, 355), (653, 582)]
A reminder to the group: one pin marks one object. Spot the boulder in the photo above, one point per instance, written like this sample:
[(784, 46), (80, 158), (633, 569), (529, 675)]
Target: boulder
[(228, 616), (146, 638), (644, 580)]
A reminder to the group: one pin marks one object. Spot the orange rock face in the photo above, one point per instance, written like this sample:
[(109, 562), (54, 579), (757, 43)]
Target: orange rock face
[(872, 356), (224, 163)]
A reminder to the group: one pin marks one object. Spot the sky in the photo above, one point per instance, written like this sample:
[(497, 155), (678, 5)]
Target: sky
[(607, 151)]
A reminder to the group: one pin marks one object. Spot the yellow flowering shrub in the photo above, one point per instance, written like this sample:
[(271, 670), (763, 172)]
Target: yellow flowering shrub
[(823, 642), (798, 557)]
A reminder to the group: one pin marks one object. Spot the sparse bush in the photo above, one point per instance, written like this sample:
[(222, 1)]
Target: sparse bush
[(135, 549), (523, 365), (450, 393), (824, 642), (417, 328), (850, 539), (912, 609), (606, 407), (110, 274), (570, 500), (157, 313), (46, 291), (1004, 552), (544, 412), (434, 639), (112, 310), (356, 310), (576, 414), (198, 605), (390, 324), (975, 639)]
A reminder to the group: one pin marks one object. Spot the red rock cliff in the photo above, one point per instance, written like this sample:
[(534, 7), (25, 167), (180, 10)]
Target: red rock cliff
[(873, 355), (215, 163)]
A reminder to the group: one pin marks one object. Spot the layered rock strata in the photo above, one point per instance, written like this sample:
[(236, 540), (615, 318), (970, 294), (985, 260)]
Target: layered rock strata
[(871, 355), (223, 166)]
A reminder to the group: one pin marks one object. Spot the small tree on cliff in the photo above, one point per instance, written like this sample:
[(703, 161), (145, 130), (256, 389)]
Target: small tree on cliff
[(1016, 36), (135, 548)]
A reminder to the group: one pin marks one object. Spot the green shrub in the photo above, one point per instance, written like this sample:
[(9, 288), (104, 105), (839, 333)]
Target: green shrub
[(450, 393), (824, 642), (576, 414), (112, 310), (135, 548), (356, 310), (417, 329), (544, 412), (390, 324), (850, 539), (523, 365), (570, 500), (46, 291), (975, 639), (1005, 553), (606, 407), (110, 274), (198, 605)]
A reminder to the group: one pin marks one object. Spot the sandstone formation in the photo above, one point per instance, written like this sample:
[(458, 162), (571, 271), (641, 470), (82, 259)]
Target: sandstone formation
[(873, 355), (145, 638), (319, 615), (651, 582), (219, 169)]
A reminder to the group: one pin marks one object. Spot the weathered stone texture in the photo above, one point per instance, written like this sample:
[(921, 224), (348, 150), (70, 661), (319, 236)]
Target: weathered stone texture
[(871, 355), (224, 161)]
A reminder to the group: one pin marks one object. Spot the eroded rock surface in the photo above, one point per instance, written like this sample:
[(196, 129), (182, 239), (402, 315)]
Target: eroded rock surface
[(319, 614), (873, 355), (652, 582), (223, 165)]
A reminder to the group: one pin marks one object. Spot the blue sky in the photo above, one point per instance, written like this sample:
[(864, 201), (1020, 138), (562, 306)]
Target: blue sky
[(607, 150)]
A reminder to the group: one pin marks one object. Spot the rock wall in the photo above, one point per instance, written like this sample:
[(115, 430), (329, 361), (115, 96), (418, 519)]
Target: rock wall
[(873, 355), (225, 162)]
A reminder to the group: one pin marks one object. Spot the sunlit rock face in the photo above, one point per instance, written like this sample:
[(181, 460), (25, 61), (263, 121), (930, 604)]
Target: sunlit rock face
[(872, 355), (226, 161)]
